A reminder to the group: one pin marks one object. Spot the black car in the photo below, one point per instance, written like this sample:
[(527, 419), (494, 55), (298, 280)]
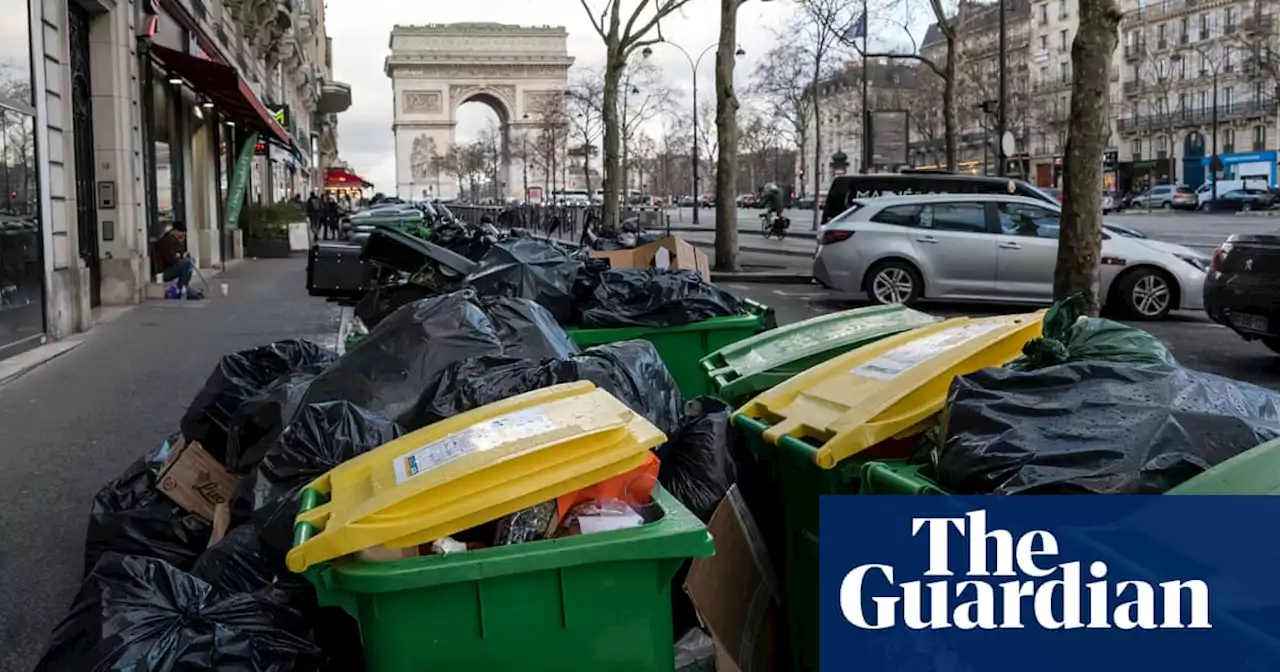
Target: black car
[(1242, 288), (1243, 200)]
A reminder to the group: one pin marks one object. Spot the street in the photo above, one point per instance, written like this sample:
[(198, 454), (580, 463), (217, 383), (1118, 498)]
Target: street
[(78, 421)]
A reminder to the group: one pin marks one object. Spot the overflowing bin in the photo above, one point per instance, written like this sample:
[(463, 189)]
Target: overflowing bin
[(815, 433), (743, 369), (681, 347)]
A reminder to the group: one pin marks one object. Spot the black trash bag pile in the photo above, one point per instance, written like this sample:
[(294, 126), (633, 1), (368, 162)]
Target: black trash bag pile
[(529, 268), (628, 297), (1071, 336), (257, 423), (383, 300), (240, 562), (405, 354), (130, 516), (1096, 427), (629, 370), (526, 329), (135, 613), (322, 437), (239, 377), (697, 465)]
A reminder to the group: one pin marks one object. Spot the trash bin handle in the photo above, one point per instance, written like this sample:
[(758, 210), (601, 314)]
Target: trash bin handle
[(309, 499)]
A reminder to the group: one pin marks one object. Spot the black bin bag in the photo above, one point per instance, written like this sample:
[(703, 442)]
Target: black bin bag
[(1096, 427), (240, 562), (527, 330), (322, 437), (628, 297), (629, 370), (130, 516), (528, 268), (259, 421), (238, 377), (697, 463), (134, 614)]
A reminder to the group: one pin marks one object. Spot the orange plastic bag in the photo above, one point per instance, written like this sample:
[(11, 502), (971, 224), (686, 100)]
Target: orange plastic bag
[(633, 487)]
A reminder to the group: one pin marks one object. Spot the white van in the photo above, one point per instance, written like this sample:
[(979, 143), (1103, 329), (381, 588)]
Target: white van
[(1205, 193)]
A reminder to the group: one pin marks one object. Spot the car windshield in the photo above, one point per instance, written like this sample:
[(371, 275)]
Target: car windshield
[(1185, 190)]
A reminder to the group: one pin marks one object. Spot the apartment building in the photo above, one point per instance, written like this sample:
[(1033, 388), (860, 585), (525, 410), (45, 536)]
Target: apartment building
[(1198, 79), (121, 119)]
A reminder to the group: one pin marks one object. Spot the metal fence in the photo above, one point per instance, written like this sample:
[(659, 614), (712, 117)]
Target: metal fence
[(566, 222)]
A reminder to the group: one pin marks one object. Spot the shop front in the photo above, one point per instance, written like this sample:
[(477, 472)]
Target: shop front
[(1247, 166), (342, 183), (22, 261)]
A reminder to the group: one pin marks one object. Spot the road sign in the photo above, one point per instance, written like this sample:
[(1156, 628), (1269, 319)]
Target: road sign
[(1007, 146)]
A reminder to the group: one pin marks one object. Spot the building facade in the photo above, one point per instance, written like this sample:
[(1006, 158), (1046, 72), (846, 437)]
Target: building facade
[(131, 120)]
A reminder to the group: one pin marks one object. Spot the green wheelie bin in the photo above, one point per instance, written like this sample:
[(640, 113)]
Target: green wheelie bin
[(1253, 472)]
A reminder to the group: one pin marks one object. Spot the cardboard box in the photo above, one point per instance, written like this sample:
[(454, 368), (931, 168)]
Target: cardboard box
[(735, 591), (196, 481), (679, 255)]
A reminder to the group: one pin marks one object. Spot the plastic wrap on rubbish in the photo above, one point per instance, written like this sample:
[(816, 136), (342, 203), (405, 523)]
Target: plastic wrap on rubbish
[(322, 437), (1071, 336), (240, 376), (695, 652), (406, 353), (599, 516), (259, 421), (134, 613), (697, 462), (529, 524), (240, 562), (1095, 427), (631, 371), (628, 297), (130, 516), (529, 268), (527, 330), (387, 299)]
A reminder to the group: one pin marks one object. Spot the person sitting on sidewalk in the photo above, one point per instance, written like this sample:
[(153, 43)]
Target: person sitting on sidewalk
[(174, 264)]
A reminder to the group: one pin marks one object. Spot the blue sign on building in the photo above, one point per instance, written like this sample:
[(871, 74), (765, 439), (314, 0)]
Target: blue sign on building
[(1260, 164)]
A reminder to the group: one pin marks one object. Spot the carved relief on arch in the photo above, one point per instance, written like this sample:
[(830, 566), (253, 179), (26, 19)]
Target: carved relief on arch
[(422, 102)]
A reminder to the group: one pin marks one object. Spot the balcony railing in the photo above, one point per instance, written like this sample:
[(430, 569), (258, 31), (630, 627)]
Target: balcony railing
[(1246, 110), (1132, 88)]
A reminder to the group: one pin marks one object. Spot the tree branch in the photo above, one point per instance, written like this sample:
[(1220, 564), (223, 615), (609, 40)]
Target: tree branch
[(591, 16)]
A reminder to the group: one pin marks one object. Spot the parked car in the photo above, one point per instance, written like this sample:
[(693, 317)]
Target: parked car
[(1055, 192), (1109, 202), (707, 200), (1242, 290), (1242, 200), (1165, 196), (803, 203), (747, 201), (686, 202), (1204, 193), (992, 247)]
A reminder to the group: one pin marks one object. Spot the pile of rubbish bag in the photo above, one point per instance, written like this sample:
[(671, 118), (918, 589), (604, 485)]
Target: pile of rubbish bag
[(1095, 407), (210, 572)]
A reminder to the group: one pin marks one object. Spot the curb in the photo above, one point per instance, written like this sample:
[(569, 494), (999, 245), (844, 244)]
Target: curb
[(810, 235), (21, 364), (759, 277), (710, 245), (1259, 213)]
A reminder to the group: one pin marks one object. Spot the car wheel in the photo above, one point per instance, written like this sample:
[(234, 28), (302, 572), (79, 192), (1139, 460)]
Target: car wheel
[(1246, 207), (1147, 294), (1272, 342), (1167, 205), (892, 282)]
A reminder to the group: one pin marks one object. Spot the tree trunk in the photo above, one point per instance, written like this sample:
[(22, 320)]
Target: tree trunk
[(614, 66), (1080, 234), (950, 124), (726, 140)]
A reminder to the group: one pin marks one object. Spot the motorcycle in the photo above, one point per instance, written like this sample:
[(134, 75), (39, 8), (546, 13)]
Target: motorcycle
[(774, 224)]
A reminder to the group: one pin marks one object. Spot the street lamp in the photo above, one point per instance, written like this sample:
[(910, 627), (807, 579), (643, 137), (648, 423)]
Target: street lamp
[(1213, 121), (693, 64), (524, 158)]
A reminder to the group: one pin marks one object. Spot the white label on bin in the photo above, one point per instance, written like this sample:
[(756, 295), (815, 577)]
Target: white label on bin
[(903, 358), (485, 436)]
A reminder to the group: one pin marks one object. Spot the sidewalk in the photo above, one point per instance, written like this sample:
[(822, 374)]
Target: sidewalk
[(74, 423)]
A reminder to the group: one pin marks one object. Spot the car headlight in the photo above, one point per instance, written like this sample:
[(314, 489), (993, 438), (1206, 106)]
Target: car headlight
[(1200, 263)]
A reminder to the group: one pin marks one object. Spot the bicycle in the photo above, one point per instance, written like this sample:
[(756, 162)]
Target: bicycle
[(773, 224)]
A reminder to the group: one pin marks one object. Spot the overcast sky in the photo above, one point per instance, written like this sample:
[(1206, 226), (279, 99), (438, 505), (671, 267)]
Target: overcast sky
[(361, 29)]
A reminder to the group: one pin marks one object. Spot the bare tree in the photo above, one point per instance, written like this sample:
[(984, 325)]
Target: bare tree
[(727, 138), (1080, 234), (819, 32), (708, 140), (587, 116), (644, 96), (622, 36), (781, 81), (674, 170)]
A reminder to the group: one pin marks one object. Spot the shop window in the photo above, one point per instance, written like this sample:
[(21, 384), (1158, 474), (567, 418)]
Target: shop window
[(21, 255), (167, 201)]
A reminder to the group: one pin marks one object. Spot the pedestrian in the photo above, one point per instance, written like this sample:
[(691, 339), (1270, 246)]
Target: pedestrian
[(313, 214), (330, 217), (174, 264)]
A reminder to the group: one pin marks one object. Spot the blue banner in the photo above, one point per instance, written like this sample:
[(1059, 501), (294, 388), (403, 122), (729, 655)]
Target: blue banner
[(1049, 583)]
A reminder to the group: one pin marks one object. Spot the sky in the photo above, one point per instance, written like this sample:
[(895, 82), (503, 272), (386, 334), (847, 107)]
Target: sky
[(361, 30)]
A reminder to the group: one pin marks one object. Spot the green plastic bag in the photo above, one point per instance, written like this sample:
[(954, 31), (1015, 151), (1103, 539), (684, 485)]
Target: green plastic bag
[(1071, 336)]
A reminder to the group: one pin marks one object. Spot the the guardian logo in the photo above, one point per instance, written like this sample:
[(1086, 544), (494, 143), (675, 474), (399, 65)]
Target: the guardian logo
[(1013, 583)]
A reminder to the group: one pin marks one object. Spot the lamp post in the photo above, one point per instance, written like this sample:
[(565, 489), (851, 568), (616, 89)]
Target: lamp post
[(693, 65), (1214, 161), (524, 158)]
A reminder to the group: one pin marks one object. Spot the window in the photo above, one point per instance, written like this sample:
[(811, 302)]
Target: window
[(899, 215), (1044, 74), (1204, 26), (963, 217), (1020, 219), (1229, 20), (1228, 141), (1182, 34), (21, 267), (1160, 31), (1064, 72), (1044, 14), (1259, 138), (1044, 43), (1204, 101), (1228, 60), (1062, 41), (1136, 150), (1162, 147), (1204, 65), (1228, 97), (1062, 9)]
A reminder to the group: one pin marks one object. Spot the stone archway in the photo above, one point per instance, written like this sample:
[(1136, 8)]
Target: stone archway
[(435, 69)]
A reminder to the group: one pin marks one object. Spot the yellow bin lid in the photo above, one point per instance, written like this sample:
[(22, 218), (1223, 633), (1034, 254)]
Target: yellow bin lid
[(890, 388), (473, 468)]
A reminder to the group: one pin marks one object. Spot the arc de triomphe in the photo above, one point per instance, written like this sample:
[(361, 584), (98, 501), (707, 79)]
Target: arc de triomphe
[(436, 68)]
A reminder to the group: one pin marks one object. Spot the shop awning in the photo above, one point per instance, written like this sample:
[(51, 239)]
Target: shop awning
[(222, 85), (337, 177)]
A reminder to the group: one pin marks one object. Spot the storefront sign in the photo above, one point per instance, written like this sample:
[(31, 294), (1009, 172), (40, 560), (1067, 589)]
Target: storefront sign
[(239, 181), (281, 114)]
